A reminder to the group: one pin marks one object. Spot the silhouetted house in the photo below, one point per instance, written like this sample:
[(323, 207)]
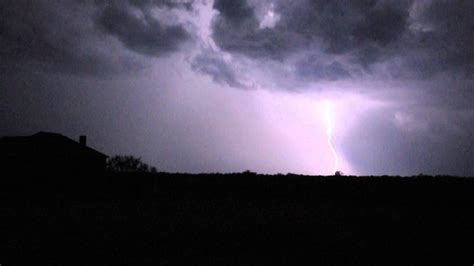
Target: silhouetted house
[(52, 153)]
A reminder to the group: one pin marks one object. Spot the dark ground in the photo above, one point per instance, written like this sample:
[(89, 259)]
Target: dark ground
[(239, 219)]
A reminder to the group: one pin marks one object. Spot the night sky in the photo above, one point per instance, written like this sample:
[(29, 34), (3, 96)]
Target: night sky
[(368, 87)]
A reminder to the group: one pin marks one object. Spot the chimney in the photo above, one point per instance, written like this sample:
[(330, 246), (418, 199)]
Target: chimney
[(83, 140)]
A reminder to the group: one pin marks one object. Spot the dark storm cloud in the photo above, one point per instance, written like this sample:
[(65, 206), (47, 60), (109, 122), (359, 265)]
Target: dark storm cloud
[(339, 26), (236, 29), (134, 25), (344, 26), (27, 35), (415, 39), (210, 63), (382, 25), (186, 4), (445, 36), (61, 37), (235, 11)]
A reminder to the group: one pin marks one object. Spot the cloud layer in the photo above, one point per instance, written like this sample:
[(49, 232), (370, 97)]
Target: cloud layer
[(87, 37), (313, 40), (342, 39), (135, 26)]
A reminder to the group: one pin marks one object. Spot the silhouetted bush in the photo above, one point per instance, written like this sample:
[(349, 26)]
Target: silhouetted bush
[(248, 172), (128, 164)]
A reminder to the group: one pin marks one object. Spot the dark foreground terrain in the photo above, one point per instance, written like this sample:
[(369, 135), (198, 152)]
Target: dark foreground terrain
[(236, 219)]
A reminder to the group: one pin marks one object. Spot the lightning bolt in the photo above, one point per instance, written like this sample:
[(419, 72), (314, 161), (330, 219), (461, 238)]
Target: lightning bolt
[(328, 119)]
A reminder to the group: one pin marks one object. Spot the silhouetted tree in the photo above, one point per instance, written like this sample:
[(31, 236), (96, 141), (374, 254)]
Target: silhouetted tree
[(128, 164), (338, 173)]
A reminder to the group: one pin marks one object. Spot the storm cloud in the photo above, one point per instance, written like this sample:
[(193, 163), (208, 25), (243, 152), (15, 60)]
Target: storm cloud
[(136, 27), (77, 36), (212, 64), (414, 39)]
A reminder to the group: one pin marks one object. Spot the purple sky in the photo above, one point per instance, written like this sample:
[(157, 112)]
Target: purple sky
[(231, 85)]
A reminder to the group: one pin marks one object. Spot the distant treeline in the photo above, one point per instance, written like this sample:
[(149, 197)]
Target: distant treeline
[(137, 185)]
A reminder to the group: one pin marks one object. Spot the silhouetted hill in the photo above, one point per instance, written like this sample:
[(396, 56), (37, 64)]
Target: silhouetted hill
[(240, 219)]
